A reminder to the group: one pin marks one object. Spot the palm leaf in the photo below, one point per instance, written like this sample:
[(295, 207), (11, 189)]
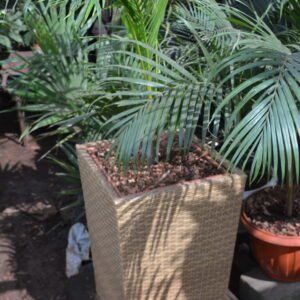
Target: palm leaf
[(170, 110), (271, 129), (143, 20), (57, 88)]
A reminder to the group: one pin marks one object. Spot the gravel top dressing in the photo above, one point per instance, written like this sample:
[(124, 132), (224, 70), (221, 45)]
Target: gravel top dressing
[(196, 164)]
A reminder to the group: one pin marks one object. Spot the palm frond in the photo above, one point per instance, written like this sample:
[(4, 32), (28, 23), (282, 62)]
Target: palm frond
[(12, 28), (57, 88), (53, 20), (207, 22), (143, 20), (170, 110), (269, 132), (68, 171)]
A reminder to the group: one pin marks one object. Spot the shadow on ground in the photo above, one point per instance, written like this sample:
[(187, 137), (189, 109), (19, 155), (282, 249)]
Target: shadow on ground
[(32, 246)]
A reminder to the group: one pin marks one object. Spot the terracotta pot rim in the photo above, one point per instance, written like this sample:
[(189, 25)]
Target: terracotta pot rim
[(268, 237)]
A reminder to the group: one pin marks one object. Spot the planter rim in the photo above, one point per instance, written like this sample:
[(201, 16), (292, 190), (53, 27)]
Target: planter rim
[(266, 236), (236, 171)]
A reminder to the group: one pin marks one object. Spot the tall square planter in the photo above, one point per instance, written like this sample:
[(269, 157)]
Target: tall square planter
[(169, 243)]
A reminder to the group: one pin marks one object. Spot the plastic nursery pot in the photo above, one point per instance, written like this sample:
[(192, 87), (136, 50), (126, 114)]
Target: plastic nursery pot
[(278, 255)]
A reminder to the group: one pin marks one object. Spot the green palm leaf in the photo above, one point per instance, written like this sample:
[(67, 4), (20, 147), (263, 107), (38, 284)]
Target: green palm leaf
[(57, 88), (170, 110), (143, 20), (269, 132)]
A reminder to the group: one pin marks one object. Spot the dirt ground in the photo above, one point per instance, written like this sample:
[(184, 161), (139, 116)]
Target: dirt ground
[(32, 246)]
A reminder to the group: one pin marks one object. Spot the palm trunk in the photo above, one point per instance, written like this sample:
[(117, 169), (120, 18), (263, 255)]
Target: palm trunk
[(291, 194), (290, 200)]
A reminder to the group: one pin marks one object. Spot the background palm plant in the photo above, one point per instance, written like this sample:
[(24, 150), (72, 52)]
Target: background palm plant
[(69, 172), (12, 27), (289, 11), (56, 88), (143, 20)]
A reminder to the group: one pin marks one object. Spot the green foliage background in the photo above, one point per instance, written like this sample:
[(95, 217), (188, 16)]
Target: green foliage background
[(229, 72)]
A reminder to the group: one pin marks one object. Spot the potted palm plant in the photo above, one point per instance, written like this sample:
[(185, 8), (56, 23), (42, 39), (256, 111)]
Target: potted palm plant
[(162, 214), (172, 239), (264, 134)]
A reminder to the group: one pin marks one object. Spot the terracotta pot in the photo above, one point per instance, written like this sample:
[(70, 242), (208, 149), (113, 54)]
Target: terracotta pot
[(278, 255)]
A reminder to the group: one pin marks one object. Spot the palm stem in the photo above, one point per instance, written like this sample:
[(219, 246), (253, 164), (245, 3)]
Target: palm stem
[(290, 200), (291, 195)]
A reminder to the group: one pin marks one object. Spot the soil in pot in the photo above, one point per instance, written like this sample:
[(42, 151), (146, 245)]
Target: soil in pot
[(275, 238), (266, 211), (196, 164)]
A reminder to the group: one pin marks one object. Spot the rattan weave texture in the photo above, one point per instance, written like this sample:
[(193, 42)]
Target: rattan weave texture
[(170, 243)]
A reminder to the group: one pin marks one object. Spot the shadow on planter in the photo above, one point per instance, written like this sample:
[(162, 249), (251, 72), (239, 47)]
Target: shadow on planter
[(170, 243)]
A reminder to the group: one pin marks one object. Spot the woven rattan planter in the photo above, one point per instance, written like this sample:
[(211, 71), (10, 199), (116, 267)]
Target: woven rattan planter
[(169, 243)]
